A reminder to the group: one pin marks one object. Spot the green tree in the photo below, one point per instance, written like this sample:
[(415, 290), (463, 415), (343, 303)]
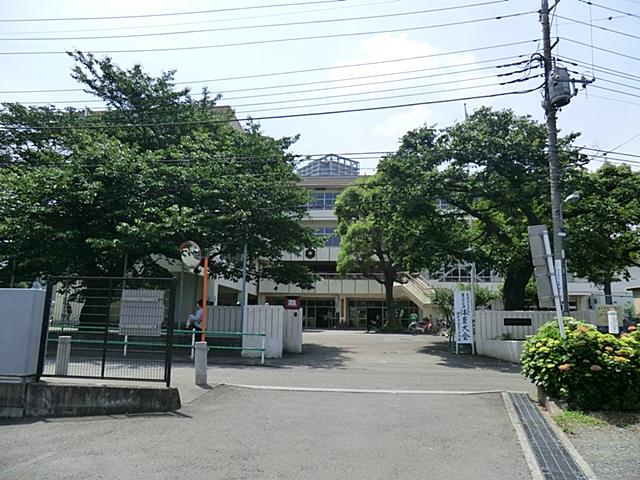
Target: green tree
[(80, 192), (492, 168), (604, 226), (388, 228), (443, 298)]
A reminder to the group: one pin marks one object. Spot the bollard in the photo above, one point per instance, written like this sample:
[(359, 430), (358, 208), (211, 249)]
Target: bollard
[(612, 317), (63, 355), (201, 363)]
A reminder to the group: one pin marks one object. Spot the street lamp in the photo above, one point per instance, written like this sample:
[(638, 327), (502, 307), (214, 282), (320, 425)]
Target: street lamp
[(561, 265)]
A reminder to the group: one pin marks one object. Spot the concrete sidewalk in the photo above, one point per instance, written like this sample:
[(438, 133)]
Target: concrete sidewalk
[(351, 406), (355, 360)]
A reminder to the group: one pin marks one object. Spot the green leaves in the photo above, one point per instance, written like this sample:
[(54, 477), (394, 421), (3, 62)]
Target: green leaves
[(156, 168), (603, 238), (588, 369)]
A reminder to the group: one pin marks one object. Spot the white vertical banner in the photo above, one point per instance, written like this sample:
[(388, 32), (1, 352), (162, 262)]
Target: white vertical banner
[(463, 317)]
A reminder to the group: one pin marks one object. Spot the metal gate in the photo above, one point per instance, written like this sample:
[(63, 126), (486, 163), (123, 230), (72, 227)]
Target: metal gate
[(106, 327)]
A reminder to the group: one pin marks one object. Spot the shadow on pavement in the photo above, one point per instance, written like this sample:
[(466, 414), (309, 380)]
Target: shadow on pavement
[(313, 356), (466, 360)]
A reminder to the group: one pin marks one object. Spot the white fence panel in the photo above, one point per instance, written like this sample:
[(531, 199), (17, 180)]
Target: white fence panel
[(495, 324), (264, 318), (293, 331), (224, 319)]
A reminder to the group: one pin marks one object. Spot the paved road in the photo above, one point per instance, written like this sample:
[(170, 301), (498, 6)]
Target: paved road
[(237, 433), (339, 359)]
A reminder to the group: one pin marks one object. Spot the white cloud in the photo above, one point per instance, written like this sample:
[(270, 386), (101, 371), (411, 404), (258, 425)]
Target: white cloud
[(401, 122)]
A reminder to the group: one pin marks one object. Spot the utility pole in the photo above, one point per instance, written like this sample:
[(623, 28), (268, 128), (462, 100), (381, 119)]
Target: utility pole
[(554, 165)]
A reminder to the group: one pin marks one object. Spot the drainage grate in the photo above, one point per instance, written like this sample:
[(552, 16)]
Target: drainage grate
[(553, 458)]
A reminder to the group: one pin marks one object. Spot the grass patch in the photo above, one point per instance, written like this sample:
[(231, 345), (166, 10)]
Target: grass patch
[(570, 419)]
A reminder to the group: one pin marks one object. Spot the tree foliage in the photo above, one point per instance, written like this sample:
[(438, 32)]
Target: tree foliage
[(492, 168), (389, 228), (604, 225), (80, 191)]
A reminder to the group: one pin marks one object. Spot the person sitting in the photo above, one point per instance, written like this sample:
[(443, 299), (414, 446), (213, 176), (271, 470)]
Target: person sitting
[(194, 320)]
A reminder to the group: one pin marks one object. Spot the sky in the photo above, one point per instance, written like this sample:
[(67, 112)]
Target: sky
[(260, 58)]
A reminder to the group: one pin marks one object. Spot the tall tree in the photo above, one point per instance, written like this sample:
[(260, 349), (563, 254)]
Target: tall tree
[(389, 228), (79, 192), (493, 168), (604, 226)]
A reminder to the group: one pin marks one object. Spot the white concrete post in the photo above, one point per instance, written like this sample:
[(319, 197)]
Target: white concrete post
[(612, 317), (63, 355), (201, 363)]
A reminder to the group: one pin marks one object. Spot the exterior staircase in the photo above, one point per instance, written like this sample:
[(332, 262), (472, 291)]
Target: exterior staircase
[(417, 289)]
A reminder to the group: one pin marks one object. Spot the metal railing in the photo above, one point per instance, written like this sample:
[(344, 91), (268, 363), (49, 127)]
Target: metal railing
[(109, 328)]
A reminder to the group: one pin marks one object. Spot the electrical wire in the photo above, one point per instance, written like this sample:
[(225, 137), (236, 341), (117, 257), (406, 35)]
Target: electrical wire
[(172, 14), (308, 70), (335, 87), (631, 57), (253, 27), (588, 2), (615, 91), (271, 117), (619, 100), (278, 40), (199, 22), (611, 30), (599, 68)]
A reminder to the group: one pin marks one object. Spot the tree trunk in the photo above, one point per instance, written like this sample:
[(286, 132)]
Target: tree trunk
[(391, 305), (515, 284), (608, 297)]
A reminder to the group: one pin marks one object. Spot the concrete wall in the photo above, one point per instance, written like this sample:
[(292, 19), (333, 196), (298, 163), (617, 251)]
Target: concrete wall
[(490, 324), (21, 312), (57, 400), (507, 350), (292, 342), (264, 318)]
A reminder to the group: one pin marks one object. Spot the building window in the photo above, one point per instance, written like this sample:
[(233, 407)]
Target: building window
[(322, 200), (333, 240)]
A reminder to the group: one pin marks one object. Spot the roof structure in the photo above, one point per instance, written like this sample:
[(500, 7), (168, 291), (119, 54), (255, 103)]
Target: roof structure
[(330, 166)]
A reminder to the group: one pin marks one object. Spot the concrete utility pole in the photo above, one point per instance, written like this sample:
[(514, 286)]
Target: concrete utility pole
[(554, 165)]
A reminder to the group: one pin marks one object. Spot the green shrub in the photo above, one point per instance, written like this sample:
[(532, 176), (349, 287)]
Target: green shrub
[(588, 369), (393, 327)]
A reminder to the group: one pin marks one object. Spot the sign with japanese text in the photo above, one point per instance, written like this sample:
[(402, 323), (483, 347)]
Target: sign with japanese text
[(463, 317)]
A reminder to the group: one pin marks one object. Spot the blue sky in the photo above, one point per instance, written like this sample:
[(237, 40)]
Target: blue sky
[(605, 118)]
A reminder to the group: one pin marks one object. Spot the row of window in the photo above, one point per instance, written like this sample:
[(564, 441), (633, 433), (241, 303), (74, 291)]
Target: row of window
[(322, 200), (327, 200), (333, 240)]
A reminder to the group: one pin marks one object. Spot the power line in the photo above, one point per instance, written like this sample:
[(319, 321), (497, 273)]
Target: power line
[(599, 68), (631, 57), (218, 20), (307, 70), (619, 100), (389, 97), (172, 14), (614, 150), (278, 40), (611, 30), (615, 91), (335, 87), (270, 117), (588, 2), (245, 27)]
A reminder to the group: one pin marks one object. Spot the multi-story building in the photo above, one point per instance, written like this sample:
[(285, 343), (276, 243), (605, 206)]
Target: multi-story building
[(336, 301), (350, 301)]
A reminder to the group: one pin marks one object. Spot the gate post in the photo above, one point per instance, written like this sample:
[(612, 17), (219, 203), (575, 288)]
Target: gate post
[(169, 338), (63, 355), (44, 333), (106, 327), (201, 363)]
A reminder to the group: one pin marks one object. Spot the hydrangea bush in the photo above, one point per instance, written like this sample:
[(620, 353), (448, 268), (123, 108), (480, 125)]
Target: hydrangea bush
[(588, 369)]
